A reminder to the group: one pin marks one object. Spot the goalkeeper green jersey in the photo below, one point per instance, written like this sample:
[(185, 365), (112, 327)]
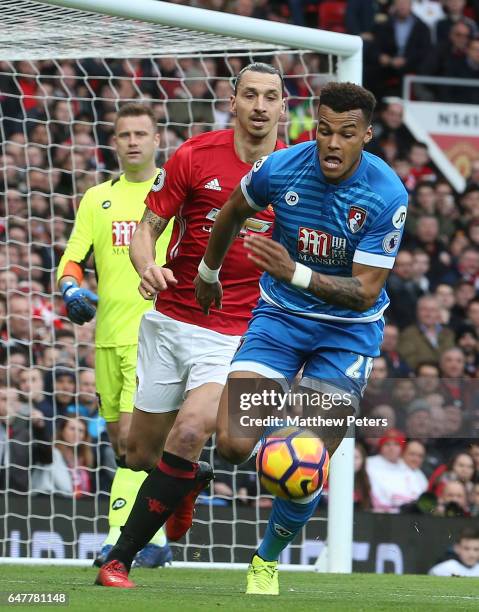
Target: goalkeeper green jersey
[(106, 219)]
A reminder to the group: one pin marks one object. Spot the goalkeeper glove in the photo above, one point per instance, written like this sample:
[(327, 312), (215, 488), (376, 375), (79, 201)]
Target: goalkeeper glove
[(79, 303)]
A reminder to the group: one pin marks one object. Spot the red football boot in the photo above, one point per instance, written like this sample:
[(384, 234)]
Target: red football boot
[(114, 574), (182, 518)]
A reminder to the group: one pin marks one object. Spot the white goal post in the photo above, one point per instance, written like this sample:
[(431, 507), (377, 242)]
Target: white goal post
[(62, 29)]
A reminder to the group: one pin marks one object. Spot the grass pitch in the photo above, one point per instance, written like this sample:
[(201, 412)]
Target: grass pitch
[(180, 590)]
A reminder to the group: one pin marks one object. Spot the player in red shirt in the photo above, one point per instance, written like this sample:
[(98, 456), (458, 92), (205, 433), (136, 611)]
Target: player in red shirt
[(183, 354)]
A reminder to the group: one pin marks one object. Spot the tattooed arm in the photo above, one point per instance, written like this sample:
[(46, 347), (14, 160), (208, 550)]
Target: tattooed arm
[(143, 252), (357, 292)]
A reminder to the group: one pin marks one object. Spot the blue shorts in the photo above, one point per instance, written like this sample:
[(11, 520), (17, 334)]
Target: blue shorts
[(278, 344)]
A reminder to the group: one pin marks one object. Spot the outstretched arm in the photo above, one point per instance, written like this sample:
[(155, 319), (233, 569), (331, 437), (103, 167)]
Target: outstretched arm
[(142, 254), (227, 225), (358, 292)]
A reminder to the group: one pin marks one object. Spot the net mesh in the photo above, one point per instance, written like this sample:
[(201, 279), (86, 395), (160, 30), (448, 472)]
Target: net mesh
[(56, 128), (75, 33)]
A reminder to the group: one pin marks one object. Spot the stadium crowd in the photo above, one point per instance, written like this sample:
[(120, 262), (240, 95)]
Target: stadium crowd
[(56, 126)]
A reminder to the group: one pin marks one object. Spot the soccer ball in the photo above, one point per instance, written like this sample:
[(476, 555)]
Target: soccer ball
[(292, 463)]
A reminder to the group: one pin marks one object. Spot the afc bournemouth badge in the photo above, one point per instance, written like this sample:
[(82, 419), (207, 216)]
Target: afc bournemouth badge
[(356, 218)]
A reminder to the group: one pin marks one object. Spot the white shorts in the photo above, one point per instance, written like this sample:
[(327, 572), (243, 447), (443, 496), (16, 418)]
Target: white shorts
[(175, 357)]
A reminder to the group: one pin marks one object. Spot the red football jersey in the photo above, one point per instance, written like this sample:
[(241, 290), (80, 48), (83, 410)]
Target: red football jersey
[(195, 183)]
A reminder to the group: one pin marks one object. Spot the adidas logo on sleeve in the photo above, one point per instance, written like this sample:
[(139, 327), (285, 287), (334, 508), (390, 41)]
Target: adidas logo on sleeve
[(213, 184)]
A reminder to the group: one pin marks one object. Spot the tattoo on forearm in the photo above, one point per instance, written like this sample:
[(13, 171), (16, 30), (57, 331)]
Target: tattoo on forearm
[(340, 291), (156, 223)]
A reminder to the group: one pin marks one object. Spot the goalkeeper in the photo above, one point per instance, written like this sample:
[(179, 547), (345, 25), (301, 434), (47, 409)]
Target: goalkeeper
[(106, 219)]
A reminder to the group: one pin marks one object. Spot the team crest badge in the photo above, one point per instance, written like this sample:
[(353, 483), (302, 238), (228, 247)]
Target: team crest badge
[(356, 218)]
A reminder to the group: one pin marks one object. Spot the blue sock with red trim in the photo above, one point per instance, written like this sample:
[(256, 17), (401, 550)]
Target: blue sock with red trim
[(161, 492)]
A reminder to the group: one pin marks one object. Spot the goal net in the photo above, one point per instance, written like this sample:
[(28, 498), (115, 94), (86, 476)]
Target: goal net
[(64, 72)]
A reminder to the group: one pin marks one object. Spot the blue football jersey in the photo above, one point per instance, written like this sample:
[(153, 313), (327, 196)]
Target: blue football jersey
[(328, 227)]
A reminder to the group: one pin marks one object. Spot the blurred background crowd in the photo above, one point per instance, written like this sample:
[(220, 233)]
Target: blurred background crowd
[(56, 128)]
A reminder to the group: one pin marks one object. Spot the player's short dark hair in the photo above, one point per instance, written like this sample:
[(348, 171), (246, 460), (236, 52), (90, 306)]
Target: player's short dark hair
[(343, 97), (258, 67), (135, 109)]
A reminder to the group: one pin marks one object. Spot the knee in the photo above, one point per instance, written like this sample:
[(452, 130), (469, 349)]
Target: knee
[(233, 451), (187, 437)]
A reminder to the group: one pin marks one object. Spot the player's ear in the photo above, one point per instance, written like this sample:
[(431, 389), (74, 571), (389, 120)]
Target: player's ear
[(283, 108), (233, 105), (368, 135), (157, 139)]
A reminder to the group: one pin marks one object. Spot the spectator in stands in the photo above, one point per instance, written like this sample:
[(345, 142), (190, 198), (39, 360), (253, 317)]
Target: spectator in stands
[(63, 390), (221, 110), (427, 339), (460, 468), (17, 362), (377, 391), (452, 501), (400, 44), (466, 557), (466, 269), (445, 59), (362, 486), (455, 386), (427, 378), (24, 441), (468, 68), (474, 452), (464, 293), (475, 501), (74, 446), (397, 367), (425, 197), (473, 177), (455, 13), (421, 266), (469, 202), (65, 341), (453, 426), (19, 328), (418, 419), (447, 210), (468, 341), (390, 486), (88, 404), (33, 393), (413, 456), (403, 291), (421, 170), (195, 102), (473, 232), (391, 138), (446, 300), (384, 416), (360, 18), (426, 238), (403, 392)]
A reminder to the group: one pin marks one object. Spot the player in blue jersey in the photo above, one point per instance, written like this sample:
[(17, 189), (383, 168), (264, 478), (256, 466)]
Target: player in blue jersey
[(340, 214)]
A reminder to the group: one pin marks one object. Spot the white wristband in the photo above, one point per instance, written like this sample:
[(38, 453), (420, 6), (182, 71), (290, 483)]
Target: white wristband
[(207, 274), (302, 276)]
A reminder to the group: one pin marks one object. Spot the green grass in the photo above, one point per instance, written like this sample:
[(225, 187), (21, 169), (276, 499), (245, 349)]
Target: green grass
[(178, 590)]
